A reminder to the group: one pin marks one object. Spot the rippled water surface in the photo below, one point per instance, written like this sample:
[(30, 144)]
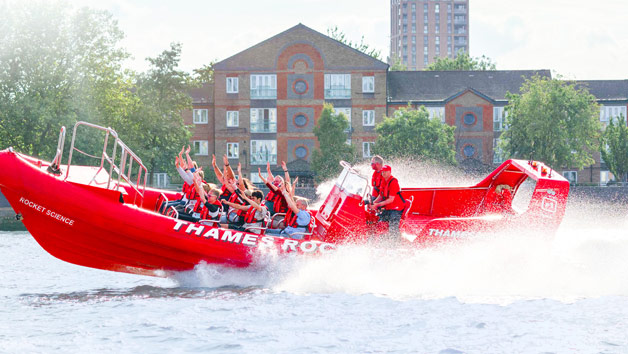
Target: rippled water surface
[(502, 294)]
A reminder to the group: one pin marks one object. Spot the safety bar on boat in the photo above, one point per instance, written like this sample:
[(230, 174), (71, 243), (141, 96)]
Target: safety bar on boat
[(124, 171), (56, 161)]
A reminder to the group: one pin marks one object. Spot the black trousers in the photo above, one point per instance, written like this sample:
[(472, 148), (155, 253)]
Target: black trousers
[(393, 217)]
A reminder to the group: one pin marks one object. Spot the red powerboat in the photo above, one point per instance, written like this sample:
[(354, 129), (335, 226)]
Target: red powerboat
[(105, 217)]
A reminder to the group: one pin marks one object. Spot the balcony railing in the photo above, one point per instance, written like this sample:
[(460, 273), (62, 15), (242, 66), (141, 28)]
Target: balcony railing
[(264, 127), (338, 93), (263, 157), (264, 93)]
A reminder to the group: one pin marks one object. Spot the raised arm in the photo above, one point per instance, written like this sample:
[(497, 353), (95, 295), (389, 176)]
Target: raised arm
[(270, 174), (189, 159), (285, 171), (251, 202), (217, 171), (291, 204), (240, 180), (227, 171), (199, 188)]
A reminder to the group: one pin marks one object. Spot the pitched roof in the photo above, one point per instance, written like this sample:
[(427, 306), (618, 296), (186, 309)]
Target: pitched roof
[(203, 94), (606, 90), (407, 86), (288, 36)]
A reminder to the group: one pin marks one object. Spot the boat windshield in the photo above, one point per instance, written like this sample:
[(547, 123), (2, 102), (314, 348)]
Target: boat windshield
[(351, 181)]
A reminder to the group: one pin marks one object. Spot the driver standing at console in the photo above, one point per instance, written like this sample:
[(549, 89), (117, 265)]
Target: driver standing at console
[(390, 200), (377, 180)]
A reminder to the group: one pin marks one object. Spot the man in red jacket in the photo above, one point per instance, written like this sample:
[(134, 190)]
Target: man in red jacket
[(390, 200), (377, 181)]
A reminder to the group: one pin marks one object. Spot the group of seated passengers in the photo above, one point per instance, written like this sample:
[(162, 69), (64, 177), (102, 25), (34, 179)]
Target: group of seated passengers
[(237, 204)]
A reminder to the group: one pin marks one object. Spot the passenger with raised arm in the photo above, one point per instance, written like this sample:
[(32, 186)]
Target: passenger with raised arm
[(253, 214), (390, 201), (297, 218), (275, 201)]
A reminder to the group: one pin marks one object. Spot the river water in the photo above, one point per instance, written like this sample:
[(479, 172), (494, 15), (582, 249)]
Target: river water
[(505, 293), (501, 294)]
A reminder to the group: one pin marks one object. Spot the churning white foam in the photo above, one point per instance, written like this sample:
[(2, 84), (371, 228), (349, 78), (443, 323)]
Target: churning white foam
[(588, 257)]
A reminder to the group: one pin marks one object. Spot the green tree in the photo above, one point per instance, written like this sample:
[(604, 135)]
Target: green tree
[(614, 147), (551, 121), (57, 66), (205, 74), (338, 35), (397, 65), (411, 133), (155, 128), (463, 61), (332, 137)]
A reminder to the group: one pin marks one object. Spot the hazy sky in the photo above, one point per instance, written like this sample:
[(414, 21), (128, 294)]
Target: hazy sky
[(574, 38)]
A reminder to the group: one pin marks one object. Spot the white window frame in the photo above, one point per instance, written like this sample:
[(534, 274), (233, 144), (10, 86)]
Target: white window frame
[(368, 84), (232, 84), (255, 120), (368, 118), (337, 85), (198, 116), (263, 86), (611, 112), (255, 178), (233, 119), (499, 115), (436, 112), (498, 154), (566, 174), (347, 112), (202, 149), (367, 148), (272, 156), (605, 177), (233, 150)]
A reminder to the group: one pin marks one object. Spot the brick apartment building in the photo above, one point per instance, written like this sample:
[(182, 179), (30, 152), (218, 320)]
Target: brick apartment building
[(266, 99), (421, 30)]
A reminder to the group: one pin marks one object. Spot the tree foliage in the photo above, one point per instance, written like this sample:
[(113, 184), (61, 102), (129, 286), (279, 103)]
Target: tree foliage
[(155, 128), (463, 61), (410, 133), (338, 35), (397, 65), (205, 74), (614, 147), (57, 66), (332, 137), (551, 121)]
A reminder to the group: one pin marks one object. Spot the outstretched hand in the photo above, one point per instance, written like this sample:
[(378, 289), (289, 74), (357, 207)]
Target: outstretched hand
[(187, 151), (213, 160), (225, 160), (283, 165)]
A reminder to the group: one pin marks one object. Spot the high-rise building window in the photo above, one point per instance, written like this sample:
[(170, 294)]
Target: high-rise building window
[(425, 52), (413, 7), (425, 7), (425, 20), (405, 28), (425, 29), (413, 28), (413, 40), (232, 85), (425, 60), (437, 8)]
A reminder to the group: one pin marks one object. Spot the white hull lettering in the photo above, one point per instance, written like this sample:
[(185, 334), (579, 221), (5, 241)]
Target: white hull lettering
[(47, 211)]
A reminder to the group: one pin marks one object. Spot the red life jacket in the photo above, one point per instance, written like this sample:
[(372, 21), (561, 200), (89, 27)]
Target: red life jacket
[(398, 201), (206, 214), (279, 202), (185, 188), (249, 216), (377, 181), (291, 220), (192, 193), (234, 198)]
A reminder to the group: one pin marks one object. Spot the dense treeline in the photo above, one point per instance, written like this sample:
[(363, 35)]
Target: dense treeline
[(60, 65)]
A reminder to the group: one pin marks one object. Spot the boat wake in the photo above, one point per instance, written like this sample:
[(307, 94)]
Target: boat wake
[(585, 259)]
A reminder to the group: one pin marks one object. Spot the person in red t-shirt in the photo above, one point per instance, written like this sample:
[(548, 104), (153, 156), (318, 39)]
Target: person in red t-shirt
[(390, 200), (377, 180)]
